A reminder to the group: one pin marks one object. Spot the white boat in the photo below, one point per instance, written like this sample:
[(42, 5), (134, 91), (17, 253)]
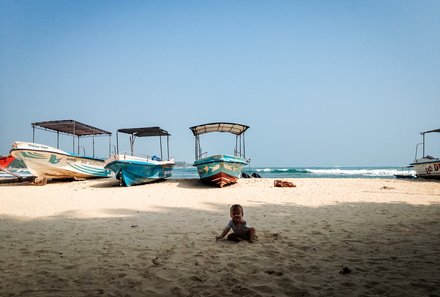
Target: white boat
[(135, 170), (426, 166), (46, 162)]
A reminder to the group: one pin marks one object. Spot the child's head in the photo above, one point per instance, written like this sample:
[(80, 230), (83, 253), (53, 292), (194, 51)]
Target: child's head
[(236, 212)]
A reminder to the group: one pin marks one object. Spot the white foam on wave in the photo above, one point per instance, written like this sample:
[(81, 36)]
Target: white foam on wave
[(272, 169), (362, 172), (264, 170)]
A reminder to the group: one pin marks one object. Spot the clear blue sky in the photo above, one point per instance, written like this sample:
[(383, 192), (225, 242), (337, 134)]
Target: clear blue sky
[(321, 83)]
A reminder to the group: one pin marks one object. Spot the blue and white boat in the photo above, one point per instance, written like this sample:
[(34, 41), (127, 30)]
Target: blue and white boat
[(134, 170), (220, 170), (46, 162)]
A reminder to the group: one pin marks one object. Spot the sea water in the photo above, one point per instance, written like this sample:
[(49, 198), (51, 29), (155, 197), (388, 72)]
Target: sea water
[(308, 172), (285, 172)]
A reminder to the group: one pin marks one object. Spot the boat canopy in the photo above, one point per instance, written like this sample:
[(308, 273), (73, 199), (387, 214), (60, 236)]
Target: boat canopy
[(71, 127), (74, 128), (237, 129), (430, 131), (145, 132), (233, 128)]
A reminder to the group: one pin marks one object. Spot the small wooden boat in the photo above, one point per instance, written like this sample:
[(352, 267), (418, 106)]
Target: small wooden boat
[(220, 170), (46, 162), (406, 172), (426, 166), (133, 170)]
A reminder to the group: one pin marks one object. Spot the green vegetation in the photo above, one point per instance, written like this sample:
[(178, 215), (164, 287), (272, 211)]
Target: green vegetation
[(183, 164)]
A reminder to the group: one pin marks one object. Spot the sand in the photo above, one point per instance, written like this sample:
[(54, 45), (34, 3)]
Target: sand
[(94, 238)]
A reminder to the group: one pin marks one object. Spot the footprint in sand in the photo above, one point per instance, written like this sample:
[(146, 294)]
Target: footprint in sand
[(275, 236), (155, 261)]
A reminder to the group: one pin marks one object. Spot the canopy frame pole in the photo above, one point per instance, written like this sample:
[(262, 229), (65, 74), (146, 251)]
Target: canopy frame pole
[(117, 142), (109, 146), (132, 144), (236, 145), (168, 146), (240, 145), (244, 147), (198, 149), (73, 136), (160, 140), (423, 145)]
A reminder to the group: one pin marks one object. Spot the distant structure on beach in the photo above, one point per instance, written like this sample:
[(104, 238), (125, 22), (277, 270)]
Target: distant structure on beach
[(426, 166)]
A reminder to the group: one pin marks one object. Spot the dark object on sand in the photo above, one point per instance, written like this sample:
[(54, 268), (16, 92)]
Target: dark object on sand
[(283, 184), (410, 176), (345, 270), (245, 175), (256, 175)]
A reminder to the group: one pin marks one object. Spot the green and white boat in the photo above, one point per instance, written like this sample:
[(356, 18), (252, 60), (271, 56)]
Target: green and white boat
[(220, 170), (46, 162)]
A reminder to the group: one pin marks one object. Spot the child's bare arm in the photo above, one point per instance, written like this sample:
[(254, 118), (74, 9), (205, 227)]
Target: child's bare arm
[(225, 231)]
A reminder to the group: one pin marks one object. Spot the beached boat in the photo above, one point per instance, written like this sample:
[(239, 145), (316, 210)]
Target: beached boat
[(46, 162), (134, 170), (220, 170), (426, 166)]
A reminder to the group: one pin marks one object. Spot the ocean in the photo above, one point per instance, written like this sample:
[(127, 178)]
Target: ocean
[(287, 172), (309, 172)]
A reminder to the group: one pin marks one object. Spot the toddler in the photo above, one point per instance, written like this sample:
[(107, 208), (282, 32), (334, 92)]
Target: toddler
[(242, 231)]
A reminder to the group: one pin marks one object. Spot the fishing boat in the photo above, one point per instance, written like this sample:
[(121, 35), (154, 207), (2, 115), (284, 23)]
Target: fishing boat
[(426, 166), (134, 170), (220, 170), (47, 162)]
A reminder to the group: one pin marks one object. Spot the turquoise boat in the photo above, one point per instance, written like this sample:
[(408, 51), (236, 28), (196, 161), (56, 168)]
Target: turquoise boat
[(220, 170), (133, 170)]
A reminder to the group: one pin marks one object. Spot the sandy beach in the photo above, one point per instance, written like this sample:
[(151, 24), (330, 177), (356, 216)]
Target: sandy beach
[(94, 238)]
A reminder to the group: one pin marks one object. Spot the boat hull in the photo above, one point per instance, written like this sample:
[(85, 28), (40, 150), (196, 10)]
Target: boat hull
[(131, 170), (220, 170), (426, 168), (45, 161)]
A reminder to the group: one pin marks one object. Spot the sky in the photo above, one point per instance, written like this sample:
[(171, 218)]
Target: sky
[(320, 83)]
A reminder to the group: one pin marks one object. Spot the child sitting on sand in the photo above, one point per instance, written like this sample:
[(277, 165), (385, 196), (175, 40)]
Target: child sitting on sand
[(241, 229)]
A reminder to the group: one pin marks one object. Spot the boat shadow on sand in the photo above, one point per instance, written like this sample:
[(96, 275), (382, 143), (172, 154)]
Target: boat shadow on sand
[(193, 183), (188, 183), (184, 183)]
